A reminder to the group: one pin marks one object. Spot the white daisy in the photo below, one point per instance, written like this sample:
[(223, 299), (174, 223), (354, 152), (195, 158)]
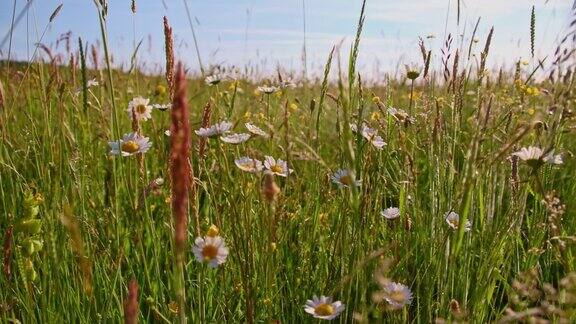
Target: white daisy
[(397, 295), (390, 213), (167, 132), (287, 84), (214, 130), (235, 138), (256, 130), (162, 107), (400, 115), (92, 83), (211, 249), (277, 167), (130, 144), (139, 108), (345, 178), (214, 79), (377, 142), (249, 165), (370, 134), (534, 156), (453, 220), (323, 308), (267, 89)]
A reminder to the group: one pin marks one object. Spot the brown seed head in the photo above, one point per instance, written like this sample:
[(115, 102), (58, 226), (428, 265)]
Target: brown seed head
[(131, 303), (179, 155)]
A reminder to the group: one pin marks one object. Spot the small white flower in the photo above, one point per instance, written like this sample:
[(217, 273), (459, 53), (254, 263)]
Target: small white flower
[(553, 159), (453, 220), (130, 144), (288, 83), (92, 83), (277, 167), (162, 107), (267, 89), (390, 213), (370, 134), (214, 79), (397, 295), (211, 249), (323, 308), (345, 178), (138, 108), (256, 130), (249, 165), (235, 138), (534, 156), (167, 132), (377, 142), (400, 115), (214, 130)]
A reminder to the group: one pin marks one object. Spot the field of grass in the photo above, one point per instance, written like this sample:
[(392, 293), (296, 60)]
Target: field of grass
[(481, 234)]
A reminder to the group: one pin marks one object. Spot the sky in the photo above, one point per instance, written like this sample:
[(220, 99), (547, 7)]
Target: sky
[(267, 34)]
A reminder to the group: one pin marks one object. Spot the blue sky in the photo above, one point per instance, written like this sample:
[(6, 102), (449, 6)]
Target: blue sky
[(268, 33)]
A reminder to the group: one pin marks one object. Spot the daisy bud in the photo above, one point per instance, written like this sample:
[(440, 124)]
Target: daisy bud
[(160, 90), (213, 231), (412, 74)]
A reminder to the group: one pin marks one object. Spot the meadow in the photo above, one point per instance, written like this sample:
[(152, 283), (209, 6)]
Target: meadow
[(444, 195)]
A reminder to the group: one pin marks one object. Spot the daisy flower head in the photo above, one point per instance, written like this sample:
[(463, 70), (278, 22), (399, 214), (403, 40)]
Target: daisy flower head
[(256, 130), (140, 109), (276, 167), (323, 308), (453, 220), (535, 156), (214, 130), (247, 164), (344, 178), (267, 89), (130, 144), (210, 249), (162, 107), (288, 83), (390, 213), (370, 134), (235, 138), (397, 295), (92, 83), (214, 79), (400, 115)]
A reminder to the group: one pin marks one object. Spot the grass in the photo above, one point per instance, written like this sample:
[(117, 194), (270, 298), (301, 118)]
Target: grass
[(81, 231)]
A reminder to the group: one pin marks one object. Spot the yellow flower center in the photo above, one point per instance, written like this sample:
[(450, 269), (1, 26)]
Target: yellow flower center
[(276, 169), (398, 296), (209, 252), (141, 109), (324, 310), (453, 222), (346, 180), (130, 146)]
